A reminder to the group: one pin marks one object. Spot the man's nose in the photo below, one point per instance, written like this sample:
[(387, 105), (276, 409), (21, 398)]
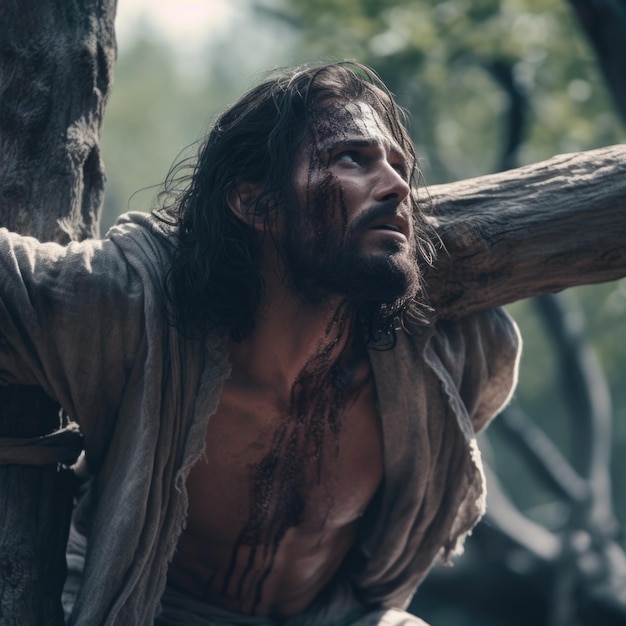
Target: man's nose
[(391, 185)]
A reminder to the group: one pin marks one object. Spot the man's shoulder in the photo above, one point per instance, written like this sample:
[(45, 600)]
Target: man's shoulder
[(481, 353), (144, 224), (145, 238), (475, 358), (478, 335)]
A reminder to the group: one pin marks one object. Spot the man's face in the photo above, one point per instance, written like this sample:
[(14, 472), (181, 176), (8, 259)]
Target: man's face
[(351, 233)]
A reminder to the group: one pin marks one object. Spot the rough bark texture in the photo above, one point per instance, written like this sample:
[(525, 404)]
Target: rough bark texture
[(56, 62), (34, 519), (534, 230)]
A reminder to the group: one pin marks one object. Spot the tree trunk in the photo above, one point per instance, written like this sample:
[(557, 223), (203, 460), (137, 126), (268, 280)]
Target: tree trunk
[(56, 64), (533, 230)]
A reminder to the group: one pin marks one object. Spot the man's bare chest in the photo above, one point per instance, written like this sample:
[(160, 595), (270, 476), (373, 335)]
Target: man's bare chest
[(256, 456), (275, 502)]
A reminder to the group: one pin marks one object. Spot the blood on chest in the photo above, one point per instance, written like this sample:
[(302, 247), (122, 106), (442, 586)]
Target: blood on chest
[(251, 453)]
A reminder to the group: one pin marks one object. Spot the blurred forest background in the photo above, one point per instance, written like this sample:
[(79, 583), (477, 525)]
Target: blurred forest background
[(489, 85)]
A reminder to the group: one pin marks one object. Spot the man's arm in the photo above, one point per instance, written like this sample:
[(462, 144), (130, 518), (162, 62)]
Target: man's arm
[(70, 321), (528, 231)]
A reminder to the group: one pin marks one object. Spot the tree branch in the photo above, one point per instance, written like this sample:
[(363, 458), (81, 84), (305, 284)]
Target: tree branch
[(533, 230), (586, 393), (541, 455)]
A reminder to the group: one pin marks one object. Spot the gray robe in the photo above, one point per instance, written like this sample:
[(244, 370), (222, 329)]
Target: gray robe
[(88, 323)]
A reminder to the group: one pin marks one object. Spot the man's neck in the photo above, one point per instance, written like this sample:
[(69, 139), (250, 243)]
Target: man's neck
[(288, 334)]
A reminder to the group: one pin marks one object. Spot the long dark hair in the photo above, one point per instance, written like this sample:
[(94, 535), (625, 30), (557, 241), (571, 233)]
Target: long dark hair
[(214, 279)]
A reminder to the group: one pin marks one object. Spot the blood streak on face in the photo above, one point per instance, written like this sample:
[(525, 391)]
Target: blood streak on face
[(351, 231)]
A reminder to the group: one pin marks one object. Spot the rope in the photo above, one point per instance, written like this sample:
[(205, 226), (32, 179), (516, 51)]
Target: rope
[(61, 446)]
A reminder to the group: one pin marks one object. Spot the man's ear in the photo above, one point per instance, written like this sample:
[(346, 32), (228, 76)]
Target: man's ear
[(242, 202)]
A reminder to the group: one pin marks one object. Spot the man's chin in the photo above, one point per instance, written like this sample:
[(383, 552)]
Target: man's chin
[(389, 281), (392, 296)]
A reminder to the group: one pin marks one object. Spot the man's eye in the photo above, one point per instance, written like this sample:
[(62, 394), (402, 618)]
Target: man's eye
[(402, 170), (402, 167), (348, 156)]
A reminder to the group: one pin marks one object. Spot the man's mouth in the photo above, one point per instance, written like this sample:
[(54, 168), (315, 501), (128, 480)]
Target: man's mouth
[(387, 227), (392, 224)]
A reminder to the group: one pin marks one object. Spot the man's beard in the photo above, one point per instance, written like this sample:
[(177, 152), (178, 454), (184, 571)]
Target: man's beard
[(324, 261)]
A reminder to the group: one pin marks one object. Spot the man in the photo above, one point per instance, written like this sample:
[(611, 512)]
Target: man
[(279, 428)]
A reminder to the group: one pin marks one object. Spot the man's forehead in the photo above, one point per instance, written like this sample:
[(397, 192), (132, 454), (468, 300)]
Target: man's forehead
[(340, 121)]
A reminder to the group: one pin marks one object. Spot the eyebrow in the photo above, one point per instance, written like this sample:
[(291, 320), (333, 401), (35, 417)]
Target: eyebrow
[(331, 144)]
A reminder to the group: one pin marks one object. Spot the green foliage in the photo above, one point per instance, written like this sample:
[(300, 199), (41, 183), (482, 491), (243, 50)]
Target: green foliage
[(163, 103), (438, 57), (152, 115)]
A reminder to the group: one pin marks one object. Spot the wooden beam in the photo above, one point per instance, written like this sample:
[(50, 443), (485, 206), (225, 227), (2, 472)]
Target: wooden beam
[(528, 231)]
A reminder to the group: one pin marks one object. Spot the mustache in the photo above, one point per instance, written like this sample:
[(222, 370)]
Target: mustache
[(381, 210)]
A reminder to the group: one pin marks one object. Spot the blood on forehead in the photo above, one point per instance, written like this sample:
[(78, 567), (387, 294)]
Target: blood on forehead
[(334, 121)]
